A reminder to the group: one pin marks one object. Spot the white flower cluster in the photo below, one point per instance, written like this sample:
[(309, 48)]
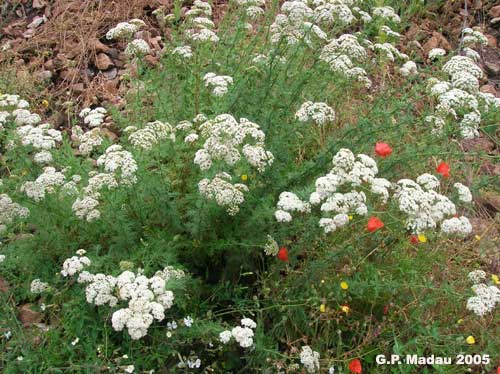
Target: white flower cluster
[(119, 162), (39, 137), (473, 37), (152, 134), (93, 117), (409, 68), (25, 117), (88, 140), (13, 103), (464, 194), (147, 298), (10, 210), (37, 286), (253, 8), (120, 168), (436, 53), (125, 30), (184, 51), (226, 194), (460, 99), (388, 52), (199, 8), (293, 24), (243, 334), (45, 183), (319, 113), (343, 54), (225, 136), (289, 202), (75, 264), (137, 47), (477, 276), (386, 12), (218, 83), (310, 359), (198, 15), (486, 296), (423, 206), (271, 247), (456, 226)]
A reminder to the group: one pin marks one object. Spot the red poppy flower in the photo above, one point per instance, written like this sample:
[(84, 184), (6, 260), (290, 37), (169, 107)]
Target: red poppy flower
[(498, 370), (414, 239), (283, 254), (355, 366), (374, 224), (383, 149), (443, 169), (386, 309)]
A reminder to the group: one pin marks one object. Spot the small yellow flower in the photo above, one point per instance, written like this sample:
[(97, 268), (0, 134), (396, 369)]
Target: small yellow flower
[(345, 309), (460, 321), (322, 308), (470, 340), (45, 103), (244, 177), (495, 279), (477, 237), (422, 238), (344, 285), (350, 218)]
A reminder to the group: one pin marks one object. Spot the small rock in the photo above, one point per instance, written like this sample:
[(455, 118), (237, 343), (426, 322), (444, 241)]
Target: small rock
[(488, 88), (111, 73), (436, 41), (78, 88), (44, 75), (28, 316), (98, 46), (38, 4), (488, 168), (490, 201), (492, 68), (109, 134), (478, 144), (70, 74), (495, 11), (103, 62), (492, 41), (495, 21), (151, 60)]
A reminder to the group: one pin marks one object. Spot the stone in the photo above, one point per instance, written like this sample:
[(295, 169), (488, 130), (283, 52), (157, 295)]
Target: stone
[(494, 11), (103, 61), (488, 88), (28, 316)]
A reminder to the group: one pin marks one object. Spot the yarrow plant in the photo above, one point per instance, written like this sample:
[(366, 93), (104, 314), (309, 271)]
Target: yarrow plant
[(272, 155)]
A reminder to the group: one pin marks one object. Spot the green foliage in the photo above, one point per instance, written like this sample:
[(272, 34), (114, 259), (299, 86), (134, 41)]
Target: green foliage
[(397, 301)]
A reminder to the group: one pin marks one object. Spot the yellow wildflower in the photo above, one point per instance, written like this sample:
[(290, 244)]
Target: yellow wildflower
[(422, 238), (470, 340), (477, 237), (350, 218), (345, 309), (460, 321), (495, 279), (344, 285), (45, 103), (322, 308), (244, 177)]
